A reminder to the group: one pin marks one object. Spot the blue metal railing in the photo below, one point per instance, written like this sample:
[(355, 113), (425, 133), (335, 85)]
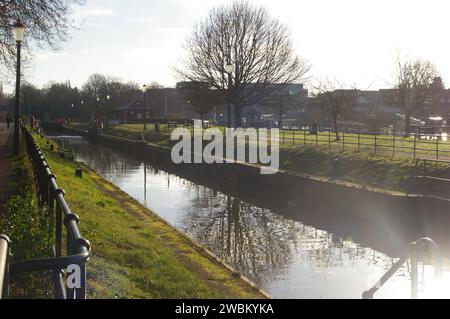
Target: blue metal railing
[(77, 248)]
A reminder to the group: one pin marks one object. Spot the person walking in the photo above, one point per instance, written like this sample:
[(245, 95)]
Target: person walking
[(8, 121)]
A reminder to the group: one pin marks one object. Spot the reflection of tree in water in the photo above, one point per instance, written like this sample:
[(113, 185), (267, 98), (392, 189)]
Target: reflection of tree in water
[(259, 243), (262, 244), (112, 165)]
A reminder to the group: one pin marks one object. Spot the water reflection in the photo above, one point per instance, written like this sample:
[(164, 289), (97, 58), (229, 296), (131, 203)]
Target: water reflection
[(283, 255)]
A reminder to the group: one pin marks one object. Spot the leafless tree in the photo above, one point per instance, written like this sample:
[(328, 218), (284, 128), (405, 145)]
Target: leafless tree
[(203, 100), (416, 85), (47, 23), (258, 46), (334, 99)]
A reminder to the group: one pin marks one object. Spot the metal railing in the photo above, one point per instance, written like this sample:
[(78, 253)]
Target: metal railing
[(77, 248), (5, 246), (412, 254)]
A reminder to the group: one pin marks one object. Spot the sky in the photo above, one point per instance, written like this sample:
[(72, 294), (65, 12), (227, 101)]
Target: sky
[(354, 41)]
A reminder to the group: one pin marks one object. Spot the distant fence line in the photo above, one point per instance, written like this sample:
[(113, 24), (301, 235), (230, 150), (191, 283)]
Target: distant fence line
[(426, 142)]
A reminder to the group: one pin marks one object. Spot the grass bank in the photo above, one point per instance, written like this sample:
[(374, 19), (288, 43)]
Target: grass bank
[(135, 253), (364, 168), (27, 225)]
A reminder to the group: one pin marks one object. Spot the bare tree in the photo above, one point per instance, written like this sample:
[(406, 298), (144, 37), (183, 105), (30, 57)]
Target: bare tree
[(47, 23), (334, 99), (203, 100), (416, 85), (257, 46)]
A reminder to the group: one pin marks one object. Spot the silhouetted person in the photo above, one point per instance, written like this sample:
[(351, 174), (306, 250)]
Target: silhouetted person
[(314, 128), (8, 121)]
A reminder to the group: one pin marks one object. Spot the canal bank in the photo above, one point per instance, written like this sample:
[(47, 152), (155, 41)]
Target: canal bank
[(137, 254), (411, 215)]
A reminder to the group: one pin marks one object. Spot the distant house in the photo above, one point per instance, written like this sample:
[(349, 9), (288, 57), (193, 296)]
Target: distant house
[(132, 112)]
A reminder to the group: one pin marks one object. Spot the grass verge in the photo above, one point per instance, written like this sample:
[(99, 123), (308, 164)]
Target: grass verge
[(135, 253)]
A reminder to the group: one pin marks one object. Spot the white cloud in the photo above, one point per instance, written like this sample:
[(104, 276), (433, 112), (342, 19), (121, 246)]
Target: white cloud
[(99, 12)]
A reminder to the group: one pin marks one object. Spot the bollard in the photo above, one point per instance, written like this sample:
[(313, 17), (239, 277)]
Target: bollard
[(79, 172), (52, 147), (337, 166)]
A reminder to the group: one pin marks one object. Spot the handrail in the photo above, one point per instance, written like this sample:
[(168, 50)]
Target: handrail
[(412, 254), (77, 248), (5, 244)]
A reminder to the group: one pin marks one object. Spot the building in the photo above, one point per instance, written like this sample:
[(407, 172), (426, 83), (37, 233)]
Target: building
[(132, 112)]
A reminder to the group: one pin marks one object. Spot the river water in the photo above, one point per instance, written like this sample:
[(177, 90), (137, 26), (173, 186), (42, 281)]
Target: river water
[(285, 257)]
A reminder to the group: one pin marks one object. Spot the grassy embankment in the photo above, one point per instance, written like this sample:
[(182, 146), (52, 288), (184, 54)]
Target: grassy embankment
[(136, 254), (27, 225), (365, 167)]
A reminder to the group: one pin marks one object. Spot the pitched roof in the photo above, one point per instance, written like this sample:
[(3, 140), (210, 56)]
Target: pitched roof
[(136, 105)]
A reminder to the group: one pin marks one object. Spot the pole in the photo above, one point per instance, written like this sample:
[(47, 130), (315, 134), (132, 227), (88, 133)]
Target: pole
[(17, 106), (145, 110), (229, 99)]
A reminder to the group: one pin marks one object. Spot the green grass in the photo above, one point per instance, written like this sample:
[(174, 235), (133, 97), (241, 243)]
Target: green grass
[(134, 253)]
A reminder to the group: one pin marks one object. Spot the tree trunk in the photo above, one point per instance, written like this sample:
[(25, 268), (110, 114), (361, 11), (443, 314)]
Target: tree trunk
[(335, 127), (406, 128)]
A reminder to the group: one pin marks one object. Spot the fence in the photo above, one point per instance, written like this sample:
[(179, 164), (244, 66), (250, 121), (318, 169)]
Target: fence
[(423, 145), (434, 146), (77, 248)]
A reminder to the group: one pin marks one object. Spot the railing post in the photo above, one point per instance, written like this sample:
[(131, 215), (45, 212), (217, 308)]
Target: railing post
[(80, 293), (359, 137), (437, 148), (415, 141), (393, 146), (329, 140), (375, 143), (343, 139), (304, 137), (414, 272), (5, 252), (293, 136)]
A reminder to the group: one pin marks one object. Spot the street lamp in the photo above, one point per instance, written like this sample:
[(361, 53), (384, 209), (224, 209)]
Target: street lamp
[(229, 68), (145, 108), (19, 31)]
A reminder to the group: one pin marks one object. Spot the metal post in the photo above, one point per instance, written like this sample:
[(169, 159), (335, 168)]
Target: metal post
[(304, 137), (375, 144), (343, 139), (329, 139), (415, 141), (317, 138), (5, 245), (437, 148), (393, 146), (359, 137), (145, 110), (293, 136), (414, 272), (230, 82), (16, 146), (80, 293)]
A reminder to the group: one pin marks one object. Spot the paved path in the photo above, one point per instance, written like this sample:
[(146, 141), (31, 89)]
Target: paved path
[(7, 171)]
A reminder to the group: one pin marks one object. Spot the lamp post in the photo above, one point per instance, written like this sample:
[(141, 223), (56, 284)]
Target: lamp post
[(229, 68), (19, 30), (145, 108)]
